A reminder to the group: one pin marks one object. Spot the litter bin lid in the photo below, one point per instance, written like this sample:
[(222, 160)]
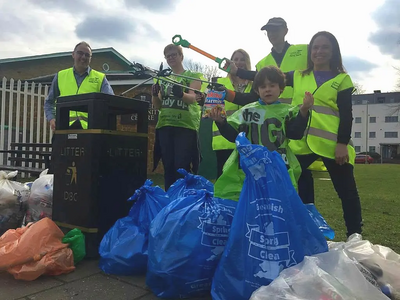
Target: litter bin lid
[(114, 103)]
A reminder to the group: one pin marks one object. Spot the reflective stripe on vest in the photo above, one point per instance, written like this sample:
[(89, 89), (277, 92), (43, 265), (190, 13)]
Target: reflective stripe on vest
[(218, 141), (323, 110), (78, 117), (321, 134), (216, 133), (68, 86), (230, 112), (295, 59), (285, 100)]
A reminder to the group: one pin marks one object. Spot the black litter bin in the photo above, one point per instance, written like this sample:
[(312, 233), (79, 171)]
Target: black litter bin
[(97, 169)]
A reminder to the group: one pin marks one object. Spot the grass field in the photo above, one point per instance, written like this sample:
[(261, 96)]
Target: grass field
[(379, 189)]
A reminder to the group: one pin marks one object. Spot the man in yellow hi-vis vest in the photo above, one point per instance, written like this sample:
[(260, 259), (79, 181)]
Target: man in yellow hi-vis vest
[(80, 79), (285, 56), (288, 58)]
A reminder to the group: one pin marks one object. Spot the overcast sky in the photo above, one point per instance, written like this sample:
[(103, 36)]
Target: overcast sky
[(368, 31)]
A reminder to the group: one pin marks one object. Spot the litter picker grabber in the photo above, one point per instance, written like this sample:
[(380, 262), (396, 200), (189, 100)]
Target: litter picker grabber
[(163, 75), (142, 70), (178, 41), (136, 86), (168, 72)]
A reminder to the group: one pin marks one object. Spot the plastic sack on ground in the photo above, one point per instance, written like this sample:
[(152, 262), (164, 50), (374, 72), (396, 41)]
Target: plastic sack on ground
[(35, 250), (40, 202), (190, 181), (13, 199), (320, 221), (186, 241), (124, 248), (29, 184), (76, 242), (272, 229), (382, 262), (327, 276)]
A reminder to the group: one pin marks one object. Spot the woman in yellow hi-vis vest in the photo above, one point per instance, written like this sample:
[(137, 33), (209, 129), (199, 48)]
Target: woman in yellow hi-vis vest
[(328, 133), (222, 147), (285, 56)]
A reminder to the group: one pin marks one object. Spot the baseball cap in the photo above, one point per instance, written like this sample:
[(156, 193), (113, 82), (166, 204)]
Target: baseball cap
[(274, 22)]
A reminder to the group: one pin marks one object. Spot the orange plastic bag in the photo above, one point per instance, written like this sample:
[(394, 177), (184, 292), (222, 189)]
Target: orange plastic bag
[(11, 235), (35, 250)]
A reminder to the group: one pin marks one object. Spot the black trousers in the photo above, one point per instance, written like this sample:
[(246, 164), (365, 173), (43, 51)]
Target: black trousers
[(177, 144), (222, 157), (343, 180)]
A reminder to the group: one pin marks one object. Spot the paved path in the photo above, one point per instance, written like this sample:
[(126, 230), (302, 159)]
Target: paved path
[(87, 282)]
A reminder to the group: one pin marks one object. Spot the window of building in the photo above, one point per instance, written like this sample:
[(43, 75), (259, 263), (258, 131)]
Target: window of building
[(372, 134), (357, 134), (357, 148), (372, 119), (391, 134), (364, 101), (391, 119), (381, 99), (372, 149), (357, 120)]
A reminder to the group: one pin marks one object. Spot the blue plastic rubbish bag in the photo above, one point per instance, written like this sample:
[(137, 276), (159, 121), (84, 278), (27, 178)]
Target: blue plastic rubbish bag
[(190, 181), (186, 241), (123, 250), (271, 229), (320, 221)]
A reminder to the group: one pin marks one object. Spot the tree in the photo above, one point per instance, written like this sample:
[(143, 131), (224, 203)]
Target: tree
[(359, 89), (208, 71)]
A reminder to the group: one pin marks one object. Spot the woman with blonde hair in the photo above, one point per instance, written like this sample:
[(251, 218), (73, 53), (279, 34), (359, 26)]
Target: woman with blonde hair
[(222, 147)]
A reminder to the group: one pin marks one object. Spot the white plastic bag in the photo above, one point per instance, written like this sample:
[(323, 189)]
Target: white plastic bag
[(329, 276), (13, 198), (382, 262), (40, 202)]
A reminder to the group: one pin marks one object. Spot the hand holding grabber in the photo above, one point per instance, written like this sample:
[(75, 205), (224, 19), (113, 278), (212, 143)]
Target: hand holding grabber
[(178, 41)]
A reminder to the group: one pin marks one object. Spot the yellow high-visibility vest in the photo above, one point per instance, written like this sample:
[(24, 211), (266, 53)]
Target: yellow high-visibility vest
[(218, 141), (295, 59), (321, 134), (68, 87)]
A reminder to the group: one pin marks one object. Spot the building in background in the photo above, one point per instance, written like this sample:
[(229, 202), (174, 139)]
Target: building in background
[(376, 126), (24, 82)]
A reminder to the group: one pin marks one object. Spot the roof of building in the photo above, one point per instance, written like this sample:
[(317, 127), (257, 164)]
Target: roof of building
[(376, 98), (62, 54), (136, 75)]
